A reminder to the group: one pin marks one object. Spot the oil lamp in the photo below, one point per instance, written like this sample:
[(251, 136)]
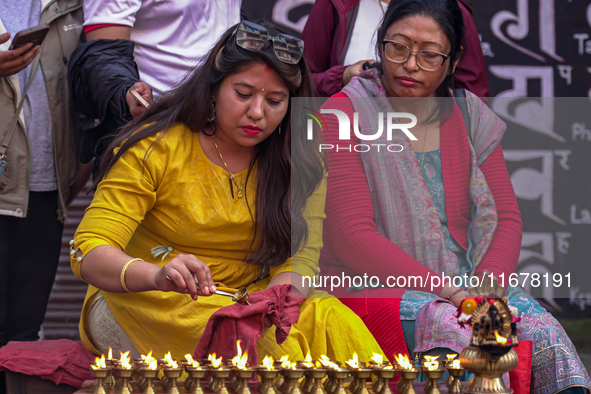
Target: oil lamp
[(242, 374), (149, 373), (110, 382), (220, 373), (99, 371), (142, 363), (196, 373), (377, 363), (329, 383), (268, 373), (407, 373), (317, 374), (434, 372), (124, 370), (491, 353), (339, 375), (455, 370), (308, 366), (292, 375), (385, 374), (172, 372), (360, 375)]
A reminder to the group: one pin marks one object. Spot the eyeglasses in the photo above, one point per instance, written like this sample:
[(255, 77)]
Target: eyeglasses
[(399, 53), (254, 37)]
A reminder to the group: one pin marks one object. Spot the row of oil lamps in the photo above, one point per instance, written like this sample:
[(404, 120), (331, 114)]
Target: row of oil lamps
[(282, 376)]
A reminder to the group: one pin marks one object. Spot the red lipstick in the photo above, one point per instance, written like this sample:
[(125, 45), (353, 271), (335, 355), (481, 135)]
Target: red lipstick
[(251, 130), (408, 81)]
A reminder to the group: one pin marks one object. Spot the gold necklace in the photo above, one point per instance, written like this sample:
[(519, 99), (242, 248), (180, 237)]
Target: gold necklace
[(232, 176), (424, 145)]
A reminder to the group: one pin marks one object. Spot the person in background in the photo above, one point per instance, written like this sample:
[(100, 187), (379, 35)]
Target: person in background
[(340, 39), (144, 45), (444, 204), (38, 149)]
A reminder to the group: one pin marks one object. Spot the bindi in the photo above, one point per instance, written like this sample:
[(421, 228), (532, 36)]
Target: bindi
[(415, 42), (267, 68)]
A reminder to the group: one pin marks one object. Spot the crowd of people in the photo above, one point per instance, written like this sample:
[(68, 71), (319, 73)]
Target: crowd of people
[(211, 185)]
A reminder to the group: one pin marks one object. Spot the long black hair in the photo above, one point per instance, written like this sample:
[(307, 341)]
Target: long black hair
[(446, 13), (279, 226)]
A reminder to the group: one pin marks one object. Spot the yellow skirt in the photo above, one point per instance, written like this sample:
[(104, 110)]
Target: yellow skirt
[(164, 322)]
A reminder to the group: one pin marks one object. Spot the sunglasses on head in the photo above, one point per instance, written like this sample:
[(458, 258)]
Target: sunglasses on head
[(253, 37)]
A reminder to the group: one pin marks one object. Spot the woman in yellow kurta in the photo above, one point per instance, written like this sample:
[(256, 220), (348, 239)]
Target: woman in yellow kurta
[(204, 176)]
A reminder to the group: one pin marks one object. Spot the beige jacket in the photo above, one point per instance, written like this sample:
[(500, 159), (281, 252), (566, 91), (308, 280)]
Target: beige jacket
[(65, 18)]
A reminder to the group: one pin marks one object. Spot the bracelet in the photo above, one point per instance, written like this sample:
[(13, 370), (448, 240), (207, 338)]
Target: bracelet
[(123, 271), (454, 293)]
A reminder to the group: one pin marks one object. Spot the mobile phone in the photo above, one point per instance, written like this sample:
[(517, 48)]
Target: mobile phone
[(138, 97), (34, 35)]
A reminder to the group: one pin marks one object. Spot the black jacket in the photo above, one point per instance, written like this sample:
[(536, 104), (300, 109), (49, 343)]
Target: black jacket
[(100, 73)]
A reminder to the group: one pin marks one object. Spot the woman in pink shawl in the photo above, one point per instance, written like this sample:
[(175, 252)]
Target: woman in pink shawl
[(403, 214)]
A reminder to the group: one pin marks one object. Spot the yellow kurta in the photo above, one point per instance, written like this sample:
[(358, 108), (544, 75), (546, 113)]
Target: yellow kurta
[(182, 200)]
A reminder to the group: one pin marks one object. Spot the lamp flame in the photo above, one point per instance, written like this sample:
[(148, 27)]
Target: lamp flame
[(168, 358), (286, 364), (404, 361), (238, 348), (268, 363), (308, 361), (191, 362), (431, 364), (148, 359), (124, 360), (215, 362), (500, 339), (169, 361), (378, 358), (153, 365), (329, 364), (451, 356), (110, 356), (240, 361), (354, 362), (456, 364), (99, 363)]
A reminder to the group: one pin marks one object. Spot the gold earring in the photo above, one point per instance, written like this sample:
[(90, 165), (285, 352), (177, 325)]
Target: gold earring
[(211, 117)]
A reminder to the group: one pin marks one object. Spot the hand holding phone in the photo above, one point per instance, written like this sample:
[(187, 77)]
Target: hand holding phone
[(25, 46), (33, 35), (138, 98)]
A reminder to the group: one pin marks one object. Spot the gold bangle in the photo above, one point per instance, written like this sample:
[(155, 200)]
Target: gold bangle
[(123, 271)]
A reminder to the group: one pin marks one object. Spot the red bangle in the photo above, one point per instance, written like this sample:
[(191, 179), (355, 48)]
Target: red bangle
[(455, 292)]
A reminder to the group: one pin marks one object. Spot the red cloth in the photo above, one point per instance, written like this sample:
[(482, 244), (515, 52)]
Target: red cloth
[(520, 377), (245, 322), (352, 244), (330, 25), (62, 361)]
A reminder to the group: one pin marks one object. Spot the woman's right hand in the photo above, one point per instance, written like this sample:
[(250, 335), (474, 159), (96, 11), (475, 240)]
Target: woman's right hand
[(15, 60), (185, 271)]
